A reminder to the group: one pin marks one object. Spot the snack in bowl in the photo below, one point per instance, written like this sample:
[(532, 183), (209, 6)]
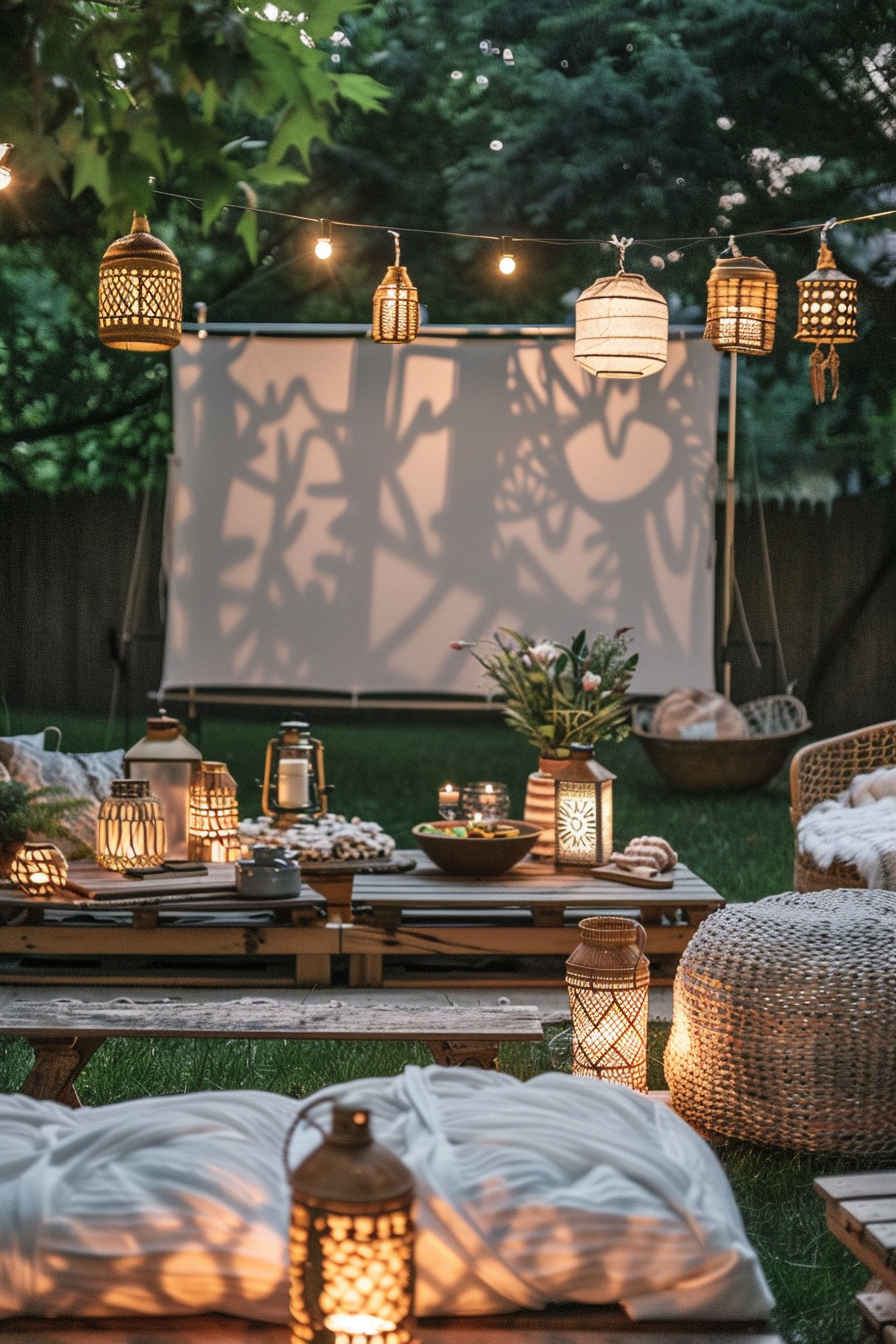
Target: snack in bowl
[(476, 849)]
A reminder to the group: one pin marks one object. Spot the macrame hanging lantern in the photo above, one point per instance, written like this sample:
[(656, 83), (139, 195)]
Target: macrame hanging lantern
[(396, 304), (141, 295), (742, 302), (827, 312), (622, 325)]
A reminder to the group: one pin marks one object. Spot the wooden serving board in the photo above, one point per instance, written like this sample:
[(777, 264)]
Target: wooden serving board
[(610, 873), (93, 883), (402, 862)]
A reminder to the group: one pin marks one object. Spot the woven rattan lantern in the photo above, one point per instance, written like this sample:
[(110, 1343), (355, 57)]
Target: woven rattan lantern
[(622, 325), (583, 810), (130, 828), (141, 295), (39, 868), (5, 174), (396, 305), (607, 978), (827, 316), (214, 815), (742, 301), (351, 1241)]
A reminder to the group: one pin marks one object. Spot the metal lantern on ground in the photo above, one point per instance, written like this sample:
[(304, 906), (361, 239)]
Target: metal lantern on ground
[(214, 815), (141, 295), (583, 810), (351, 1241), (607, 978), (294, 783), (828, 310), (622, 325), (130, 828), (396, 304), (168, 762), (39, 869)]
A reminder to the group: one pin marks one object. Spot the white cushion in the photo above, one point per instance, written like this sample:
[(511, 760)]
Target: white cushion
[(870, 788), (86, 775), (528, 1193)]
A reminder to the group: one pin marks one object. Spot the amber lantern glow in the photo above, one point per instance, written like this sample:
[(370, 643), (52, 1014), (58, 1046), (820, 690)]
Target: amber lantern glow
[(130, 828), (396, 304), (141, 295), (607, 978), (294, 784), (214, 815), (828, 312), (351, 1240), (39, 869), (741, 305), (583, 810)]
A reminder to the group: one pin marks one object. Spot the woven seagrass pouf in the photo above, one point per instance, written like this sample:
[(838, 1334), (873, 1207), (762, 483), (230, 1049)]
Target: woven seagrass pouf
[(784, 1023)]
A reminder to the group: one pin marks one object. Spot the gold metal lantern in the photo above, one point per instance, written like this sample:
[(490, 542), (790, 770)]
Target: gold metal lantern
[(396, 304), (742, 303), (141, 295), (214, 815), (130, 828), (583, 810), (622, 325), (294, 783), (607, 978), (351, 1240), (828, 312), (39, 869)]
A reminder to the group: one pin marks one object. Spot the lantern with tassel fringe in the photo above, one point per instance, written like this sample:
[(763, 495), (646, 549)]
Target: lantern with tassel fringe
[(827, 316)]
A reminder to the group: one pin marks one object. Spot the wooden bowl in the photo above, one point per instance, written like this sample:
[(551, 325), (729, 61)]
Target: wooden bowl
[(476, 858), (729, 764)]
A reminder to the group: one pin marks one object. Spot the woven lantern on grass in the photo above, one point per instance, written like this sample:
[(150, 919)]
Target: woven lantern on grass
[(130, 828), (351, 1240), (607, 978), (39, 869), (141, 295), (622, 325), (396, 304), (742, 302), (827, 316), (214, 815)]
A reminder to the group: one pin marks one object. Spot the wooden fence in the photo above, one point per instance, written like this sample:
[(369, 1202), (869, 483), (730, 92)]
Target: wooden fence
[(65, 564)]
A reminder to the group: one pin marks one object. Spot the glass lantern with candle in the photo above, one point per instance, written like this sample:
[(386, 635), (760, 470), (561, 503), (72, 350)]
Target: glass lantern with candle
[(351, 1240), (449, 802), (294, 784), (168, 762), (130, 828), (214, 815), (583, 810), (484, 801)]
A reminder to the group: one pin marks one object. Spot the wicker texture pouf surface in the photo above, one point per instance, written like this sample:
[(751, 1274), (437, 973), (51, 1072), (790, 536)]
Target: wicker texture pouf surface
[(784, 1023)]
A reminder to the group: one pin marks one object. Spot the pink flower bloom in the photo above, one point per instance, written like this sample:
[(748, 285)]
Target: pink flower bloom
[(459, 644), (590, 681)]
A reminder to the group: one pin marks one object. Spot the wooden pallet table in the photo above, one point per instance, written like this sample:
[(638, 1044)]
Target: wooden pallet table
[(861, 1212), (531, 911)]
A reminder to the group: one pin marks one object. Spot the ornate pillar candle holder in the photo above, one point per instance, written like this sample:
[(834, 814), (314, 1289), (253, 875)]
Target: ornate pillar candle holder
[(607, 978), (214, 815), (130, 828), (583, 810)]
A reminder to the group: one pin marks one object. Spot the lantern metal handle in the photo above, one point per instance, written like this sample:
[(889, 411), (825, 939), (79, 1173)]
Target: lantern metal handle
[(300, 1115)]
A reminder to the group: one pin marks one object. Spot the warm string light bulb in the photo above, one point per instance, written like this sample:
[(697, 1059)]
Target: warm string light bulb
[(5, 174), (323, 248), (507, 264)]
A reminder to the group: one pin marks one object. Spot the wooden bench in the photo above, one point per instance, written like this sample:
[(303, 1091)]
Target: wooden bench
[(555, 1325), (65, 1033), (861, 1212)]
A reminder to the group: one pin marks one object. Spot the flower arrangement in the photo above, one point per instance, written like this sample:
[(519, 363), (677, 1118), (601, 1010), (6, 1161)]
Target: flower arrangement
[(557, 695)]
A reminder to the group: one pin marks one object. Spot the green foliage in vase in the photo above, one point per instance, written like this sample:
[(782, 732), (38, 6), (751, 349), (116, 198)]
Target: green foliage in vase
[(43, 812), (557, 695)]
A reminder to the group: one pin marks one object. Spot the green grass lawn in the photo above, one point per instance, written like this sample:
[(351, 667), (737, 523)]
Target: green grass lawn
[(391, 771)]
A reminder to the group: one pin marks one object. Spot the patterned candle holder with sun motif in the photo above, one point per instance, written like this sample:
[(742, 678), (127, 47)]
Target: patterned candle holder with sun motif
[(583, 810)]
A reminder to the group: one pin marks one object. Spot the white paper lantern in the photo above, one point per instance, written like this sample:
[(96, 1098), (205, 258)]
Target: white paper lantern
[(622, 327)]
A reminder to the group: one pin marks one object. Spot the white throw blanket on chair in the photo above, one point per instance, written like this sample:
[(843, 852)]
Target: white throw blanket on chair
[(858, 827)]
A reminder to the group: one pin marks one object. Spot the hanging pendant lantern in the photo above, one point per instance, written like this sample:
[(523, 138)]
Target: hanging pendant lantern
[(141, 296), (396, 304), (622, 325), (742, 301), (351, 1240), (828, 310)]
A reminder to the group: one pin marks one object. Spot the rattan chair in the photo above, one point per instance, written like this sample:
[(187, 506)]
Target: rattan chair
[(784, 1023), (823, 770)]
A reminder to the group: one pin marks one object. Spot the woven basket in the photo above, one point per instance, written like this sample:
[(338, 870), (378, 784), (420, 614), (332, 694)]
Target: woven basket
[(776, 723), (784, 1023), (823, 770)]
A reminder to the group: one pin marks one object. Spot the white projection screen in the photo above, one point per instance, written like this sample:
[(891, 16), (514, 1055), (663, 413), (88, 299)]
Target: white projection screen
[(339, 511)]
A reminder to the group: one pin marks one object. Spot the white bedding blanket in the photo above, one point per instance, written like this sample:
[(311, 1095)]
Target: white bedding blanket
[(556, 1189), (863, 834)]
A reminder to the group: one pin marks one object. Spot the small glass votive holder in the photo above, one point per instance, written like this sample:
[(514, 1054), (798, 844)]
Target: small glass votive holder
[(484, 801)]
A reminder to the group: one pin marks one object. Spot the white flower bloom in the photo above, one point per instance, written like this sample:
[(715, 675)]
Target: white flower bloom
[(545, 653)]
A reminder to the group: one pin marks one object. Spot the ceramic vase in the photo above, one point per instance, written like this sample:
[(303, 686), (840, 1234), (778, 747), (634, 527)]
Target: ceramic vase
[(539, 809)]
